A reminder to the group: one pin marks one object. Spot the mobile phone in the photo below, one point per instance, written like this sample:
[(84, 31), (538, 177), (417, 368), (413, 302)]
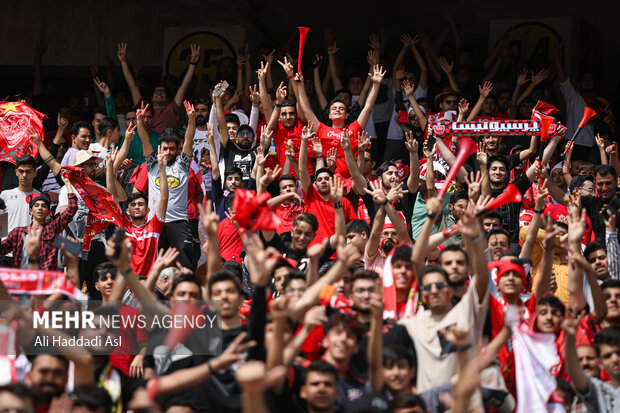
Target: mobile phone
[(613, 207), (403, 117), (74, 248), (119, 237), (222, 88), (431, 141)]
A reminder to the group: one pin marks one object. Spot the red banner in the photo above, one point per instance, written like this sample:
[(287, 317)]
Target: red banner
[(447, 129), (35, 282), (15, 120), (252, 211), (103, 211)]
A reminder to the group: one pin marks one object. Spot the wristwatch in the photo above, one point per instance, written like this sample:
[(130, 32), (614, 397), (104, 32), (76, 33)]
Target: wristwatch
[(337, 205)]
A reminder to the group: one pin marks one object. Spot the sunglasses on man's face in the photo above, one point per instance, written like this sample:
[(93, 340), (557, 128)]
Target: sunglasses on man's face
[(428, 287), (103, 273), (450, 101), (245, 134)]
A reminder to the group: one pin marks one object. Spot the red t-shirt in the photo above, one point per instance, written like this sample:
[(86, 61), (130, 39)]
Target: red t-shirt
[(230, 241), (325, 214), (130, 335), (144, 240), (287, 214), (330, 138), (165, 117), (281, 135)]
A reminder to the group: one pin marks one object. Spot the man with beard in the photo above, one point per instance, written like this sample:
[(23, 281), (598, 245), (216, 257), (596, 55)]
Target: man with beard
[(384, 235), (176, 231), (48, 377), (365, 284), (320, 387), (491, 145), (201, 146), (455, 262)]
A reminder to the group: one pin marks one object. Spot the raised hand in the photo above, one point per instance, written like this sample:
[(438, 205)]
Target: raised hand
[(373, 42), (485, 89), (463, 106), (261, 73), (316, 251), (540, 76), (445, 66), (209, 135), (372, 57), (407, 40), (330, 160), (317, 146), (395, 192), (481, 155), (254, 96), (269, 58), (290, 150), (457, 336), (348, 254), (209, 219), (34, 137), (62, 122), (332, 49), (318, 60), (32, 243), (474, 182), (411, 143), (102, 86), (336, 188), (287, 66), (470, 227), (265, 136), (161, 158), (570, 325), (377, 74), (600, 142), (307, 132), (522, 77), (428, 152), (378, 194), (141, 112), (363, 142), (408, 87), (121, 52), (345, 140), (271, 175), (195, 56), (260, 156), (191, 112), (281, 93), (399, 73), (315, 316), (260, 260)]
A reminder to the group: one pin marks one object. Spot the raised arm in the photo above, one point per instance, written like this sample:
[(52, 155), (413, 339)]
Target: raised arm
[(420, 248), (374, 238), (187, 79), (332, 49), (409, 91), (484, 93), (421, 63), (114, 187), (375, 340), (306, 133), (449, 157), (400, 227), (190, 130), (447, 69), (147, 148), (162, 203), (215, 166), (221, 117), (566, 165), (557, 61), (413, 181), (265, 100), (470, 228), (304, 103), (377, 77), (576, 229), (336, 192), (570, 326), (359, 182), (133, 88), (318, 86), (45, 154), (210, 222)]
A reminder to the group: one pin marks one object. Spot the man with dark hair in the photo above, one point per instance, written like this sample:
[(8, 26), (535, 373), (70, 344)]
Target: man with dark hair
[(357, 233), (491, 221), (81, 133), (406, 402), (585, 184), (48, 377), (288, 204), (136, 151), (454, 260), (596, 254), (498, 243), (17, 199), (89, 398), (320, 387), (176, 231), (17, 398)]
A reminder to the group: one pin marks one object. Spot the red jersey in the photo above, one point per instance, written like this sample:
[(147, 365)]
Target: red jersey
[(325, 214), (287, 213), (230, 241), (144, 240), (130, 335), (330, 138), (281, 135)]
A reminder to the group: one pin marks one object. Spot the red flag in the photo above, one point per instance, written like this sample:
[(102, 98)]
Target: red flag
[(15, 120), (545, 108), (252, 211), (103, 211), (37, 282)]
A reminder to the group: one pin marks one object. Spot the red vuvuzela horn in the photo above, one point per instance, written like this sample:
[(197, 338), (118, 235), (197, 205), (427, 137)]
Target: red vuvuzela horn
[(587, 114), (303, 31), (467, 148), (510, 195), (326, 294), (545, 123)]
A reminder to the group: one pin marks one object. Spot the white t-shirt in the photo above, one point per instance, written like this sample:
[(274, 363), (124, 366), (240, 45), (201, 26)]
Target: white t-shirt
[(17, 207), (394, 131), (98, 150), (178, 178)]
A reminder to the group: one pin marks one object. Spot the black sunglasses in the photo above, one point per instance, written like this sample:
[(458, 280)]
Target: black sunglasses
[(102, 273), (440, 286)]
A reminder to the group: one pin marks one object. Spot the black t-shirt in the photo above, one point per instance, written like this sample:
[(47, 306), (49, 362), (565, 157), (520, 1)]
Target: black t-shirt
[(243, 160), (299, 256), (510, 212)]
